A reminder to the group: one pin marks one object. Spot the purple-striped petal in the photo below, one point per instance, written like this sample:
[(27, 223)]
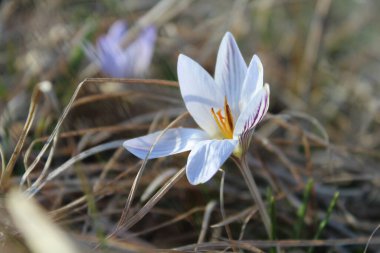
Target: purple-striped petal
[(253, 113)]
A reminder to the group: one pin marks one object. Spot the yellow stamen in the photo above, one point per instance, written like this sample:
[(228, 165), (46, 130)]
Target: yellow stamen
[(225, 123), (216, 118), (230, 120)]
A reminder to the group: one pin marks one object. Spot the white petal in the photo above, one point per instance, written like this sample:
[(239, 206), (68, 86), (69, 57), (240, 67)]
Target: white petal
[(199, 92), (253, 113), (206, 158), (253, 81), (173, 141), (230, 71)]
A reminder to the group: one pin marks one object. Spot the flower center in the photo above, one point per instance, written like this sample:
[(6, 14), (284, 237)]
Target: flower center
[(224, 120)]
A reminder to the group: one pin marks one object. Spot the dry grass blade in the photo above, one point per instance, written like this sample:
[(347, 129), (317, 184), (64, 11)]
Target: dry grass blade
[(100, 97), (233, 218), (148, 206), (129, 81), (172, 221), (140, 172), (80, 132), (108, 167), (370, 238), (20, 143), (94, 150), (156, 183), (206, 220), (46, 166), (245, 222), (222, 209)]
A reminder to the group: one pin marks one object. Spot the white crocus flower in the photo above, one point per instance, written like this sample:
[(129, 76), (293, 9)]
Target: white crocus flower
[(226, 108)]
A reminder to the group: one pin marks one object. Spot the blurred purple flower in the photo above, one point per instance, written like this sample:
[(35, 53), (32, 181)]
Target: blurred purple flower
[(116, 61)]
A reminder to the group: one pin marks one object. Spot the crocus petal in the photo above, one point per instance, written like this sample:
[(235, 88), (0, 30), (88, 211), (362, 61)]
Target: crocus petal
[(112, 59), (199, 93), (117, 61), (118, 30), (206, 158), (253, 81), (141, 51), (106, 50), (173, 141), (253, 113), (230, 71)]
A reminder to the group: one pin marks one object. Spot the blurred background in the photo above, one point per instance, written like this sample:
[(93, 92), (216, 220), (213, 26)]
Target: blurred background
[(320, 57)]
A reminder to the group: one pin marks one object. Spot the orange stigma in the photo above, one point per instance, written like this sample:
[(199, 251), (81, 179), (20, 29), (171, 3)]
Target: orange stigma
[(225, 122)]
